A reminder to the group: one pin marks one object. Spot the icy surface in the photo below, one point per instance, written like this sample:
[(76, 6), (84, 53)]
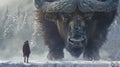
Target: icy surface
[(17, 24), (63, 64)]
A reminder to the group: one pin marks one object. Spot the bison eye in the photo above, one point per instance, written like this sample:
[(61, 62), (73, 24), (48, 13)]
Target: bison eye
[(50, 0)]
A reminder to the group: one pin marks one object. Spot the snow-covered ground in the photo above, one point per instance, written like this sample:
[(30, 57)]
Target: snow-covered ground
[(63, 64), (17, 24)]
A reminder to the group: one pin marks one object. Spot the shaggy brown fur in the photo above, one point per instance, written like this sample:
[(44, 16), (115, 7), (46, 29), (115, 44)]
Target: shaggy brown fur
[(55, 29)]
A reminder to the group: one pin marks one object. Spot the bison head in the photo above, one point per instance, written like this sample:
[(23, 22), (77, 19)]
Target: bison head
[(68, 6), (76, 35)]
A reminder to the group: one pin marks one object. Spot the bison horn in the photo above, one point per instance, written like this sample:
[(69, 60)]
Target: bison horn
[(97, 5), (67, 6)]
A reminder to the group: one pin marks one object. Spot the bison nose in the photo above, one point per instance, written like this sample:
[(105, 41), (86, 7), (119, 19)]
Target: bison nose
[(72, 40), (77, 42)]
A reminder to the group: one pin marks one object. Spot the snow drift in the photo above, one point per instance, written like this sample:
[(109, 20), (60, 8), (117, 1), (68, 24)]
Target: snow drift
[(64, 64), (17, 24)]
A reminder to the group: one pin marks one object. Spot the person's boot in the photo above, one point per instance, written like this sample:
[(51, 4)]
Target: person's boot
[(27, 59), (24, 59)]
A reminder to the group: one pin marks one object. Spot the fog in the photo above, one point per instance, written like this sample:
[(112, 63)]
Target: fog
[(17, 24)]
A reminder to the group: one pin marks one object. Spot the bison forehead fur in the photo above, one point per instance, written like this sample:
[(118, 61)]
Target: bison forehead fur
[(78, 32)]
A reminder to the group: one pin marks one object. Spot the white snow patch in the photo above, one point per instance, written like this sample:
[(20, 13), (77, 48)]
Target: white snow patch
[(63, 64)]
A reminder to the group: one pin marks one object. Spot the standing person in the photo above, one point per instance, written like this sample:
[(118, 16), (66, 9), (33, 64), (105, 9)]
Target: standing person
[(26, 51)]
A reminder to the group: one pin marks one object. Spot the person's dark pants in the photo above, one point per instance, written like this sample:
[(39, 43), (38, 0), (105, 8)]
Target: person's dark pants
[(26, 59)]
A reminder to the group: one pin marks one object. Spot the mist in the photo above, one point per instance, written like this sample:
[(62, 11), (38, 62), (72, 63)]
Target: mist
[(17, 24)]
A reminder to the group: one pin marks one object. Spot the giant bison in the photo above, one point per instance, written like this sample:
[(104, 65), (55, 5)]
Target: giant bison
[(80, 26)]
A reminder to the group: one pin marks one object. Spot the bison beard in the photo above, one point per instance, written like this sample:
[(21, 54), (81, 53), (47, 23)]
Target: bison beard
[(77, 31)]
